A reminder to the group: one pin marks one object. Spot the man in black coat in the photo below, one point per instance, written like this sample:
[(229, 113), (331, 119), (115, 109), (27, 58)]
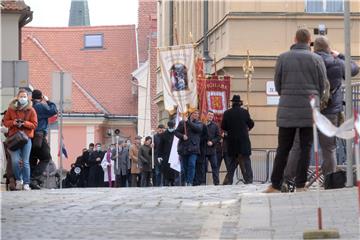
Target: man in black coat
[(96, 173), (165, 144), (201, 162), (156, 171), (86, 162), (188, 132), (213, 138), (237, 124)]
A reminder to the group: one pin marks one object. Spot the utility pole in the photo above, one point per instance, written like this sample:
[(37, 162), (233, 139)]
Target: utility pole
[(348, 92)]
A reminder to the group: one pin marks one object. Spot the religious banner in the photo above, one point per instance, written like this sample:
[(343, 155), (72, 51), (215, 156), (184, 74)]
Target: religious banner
[(218, 95), (178, 75), (201, 87), (214, 95)]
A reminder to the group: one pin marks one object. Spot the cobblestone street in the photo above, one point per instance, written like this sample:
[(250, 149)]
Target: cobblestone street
[(206, 212)]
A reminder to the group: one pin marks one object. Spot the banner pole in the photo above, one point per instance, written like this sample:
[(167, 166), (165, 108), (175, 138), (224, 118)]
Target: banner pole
[(357, 159)]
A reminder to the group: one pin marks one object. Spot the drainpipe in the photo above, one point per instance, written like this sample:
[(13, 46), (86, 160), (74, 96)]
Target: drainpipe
[(207, 58), (25, 18), (171, 23)]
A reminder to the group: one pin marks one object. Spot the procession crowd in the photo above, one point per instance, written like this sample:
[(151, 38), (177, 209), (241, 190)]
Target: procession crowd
[(299, 74)]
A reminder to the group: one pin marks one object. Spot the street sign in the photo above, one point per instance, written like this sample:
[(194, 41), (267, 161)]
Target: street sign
[(272, 97), (270, 88), (14, 74), (67, 90)]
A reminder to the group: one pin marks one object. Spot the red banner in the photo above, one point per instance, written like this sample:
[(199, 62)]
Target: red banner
[(218, 95), (213, 93)]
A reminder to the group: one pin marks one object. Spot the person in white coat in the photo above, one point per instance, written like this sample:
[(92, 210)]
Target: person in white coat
[(108, 167)]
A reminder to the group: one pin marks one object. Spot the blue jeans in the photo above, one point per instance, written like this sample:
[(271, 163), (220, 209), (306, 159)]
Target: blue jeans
[(188, 167), (24, 155), (158, 176)]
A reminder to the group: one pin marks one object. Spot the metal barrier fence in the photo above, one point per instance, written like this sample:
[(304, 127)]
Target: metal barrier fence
[(261, 163)]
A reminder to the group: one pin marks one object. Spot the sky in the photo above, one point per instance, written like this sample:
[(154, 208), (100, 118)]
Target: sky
[(55, 13)]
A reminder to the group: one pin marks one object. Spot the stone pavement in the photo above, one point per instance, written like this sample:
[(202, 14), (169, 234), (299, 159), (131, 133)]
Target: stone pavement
[(205, 212)]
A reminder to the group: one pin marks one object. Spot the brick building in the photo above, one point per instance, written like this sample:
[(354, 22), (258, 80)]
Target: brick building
[(100, 60)]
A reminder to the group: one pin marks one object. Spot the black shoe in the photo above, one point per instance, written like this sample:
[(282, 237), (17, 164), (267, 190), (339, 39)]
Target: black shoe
[(34, 186)]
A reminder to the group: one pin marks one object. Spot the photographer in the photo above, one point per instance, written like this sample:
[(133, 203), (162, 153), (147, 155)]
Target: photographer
[(21, 116), (40, 152)]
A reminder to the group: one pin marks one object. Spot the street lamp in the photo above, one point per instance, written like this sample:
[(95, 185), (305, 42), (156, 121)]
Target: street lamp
[(207, 64)]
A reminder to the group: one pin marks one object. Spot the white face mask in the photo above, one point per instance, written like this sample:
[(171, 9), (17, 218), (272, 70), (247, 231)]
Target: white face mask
[(23, 100), (171, 129)]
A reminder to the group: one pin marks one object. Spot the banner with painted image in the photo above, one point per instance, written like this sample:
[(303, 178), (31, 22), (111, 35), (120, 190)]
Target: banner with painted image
[(178, 75), (216, 96)]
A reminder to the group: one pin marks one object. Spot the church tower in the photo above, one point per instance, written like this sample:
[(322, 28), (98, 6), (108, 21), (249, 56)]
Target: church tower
[(79, 13)]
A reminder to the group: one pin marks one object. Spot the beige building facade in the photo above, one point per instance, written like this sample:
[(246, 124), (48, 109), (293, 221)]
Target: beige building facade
[(266, 29)]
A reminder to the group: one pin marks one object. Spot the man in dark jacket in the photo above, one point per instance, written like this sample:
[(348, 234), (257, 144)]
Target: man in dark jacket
[(237, 123), (86, 163), (201, 161), (165, 144), (188, 132), (156, 171), (40, 154), (335, 71), (213, 138), (299, 74), (96, 173)]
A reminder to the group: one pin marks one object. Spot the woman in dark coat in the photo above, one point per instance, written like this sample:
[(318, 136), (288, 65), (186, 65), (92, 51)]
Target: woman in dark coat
[(145, 161), (237, 124)]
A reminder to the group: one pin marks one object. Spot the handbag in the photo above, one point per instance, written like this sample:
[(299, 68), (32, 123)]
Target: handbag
[(335, 180), (16, 141)]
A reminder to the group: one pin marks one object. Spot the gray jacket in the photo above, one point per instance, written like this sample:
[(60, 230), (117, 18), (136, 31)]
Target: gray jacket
[(299, 74), (123, 163)]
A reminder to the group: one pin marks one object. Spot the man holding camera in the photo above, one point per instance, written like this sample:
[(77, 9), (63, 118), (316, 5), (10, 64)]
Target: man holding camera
[(40, 152)]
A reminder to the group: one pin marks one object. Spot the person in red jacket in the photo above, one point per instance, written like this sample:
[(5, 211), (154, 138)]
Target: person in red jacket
[(21, 116)]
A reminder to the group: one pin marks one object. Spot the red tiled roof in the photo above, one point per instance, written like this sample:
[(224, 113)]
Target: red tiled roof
[(13, 6), (102, 77), (39, 59)]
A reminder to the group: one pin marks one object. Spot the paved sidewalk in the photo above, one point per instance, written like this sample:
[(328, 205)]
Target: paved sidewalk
[(205, 212)]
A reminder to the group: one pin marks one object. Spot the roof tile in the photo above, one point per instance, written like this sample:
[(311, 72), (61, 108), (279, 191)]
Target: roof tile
[(104, 75)]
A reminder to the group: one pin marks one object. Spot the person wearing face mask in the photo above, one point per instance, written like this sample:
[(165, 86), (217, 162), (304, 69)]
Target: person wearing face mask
[(21, 116), (96, 173), (165, 144)]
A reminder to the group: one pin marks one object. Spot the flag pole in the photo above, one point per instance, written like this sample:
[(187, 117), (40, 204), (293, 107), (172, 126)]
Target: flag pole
[(61, 124), (357, 159), (248, 69), (318, 233), (316, 152)]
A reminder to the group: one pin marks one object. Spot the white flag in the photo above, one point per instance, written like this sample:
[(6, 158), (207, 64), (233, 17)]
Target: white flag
[(174, 156), (345, 131), (178, 77), (357, 124)]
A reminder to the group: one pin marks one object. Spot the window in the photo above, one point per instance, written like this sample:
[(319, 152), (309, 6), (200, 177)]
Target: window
[(93, 41), (324, 6)]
